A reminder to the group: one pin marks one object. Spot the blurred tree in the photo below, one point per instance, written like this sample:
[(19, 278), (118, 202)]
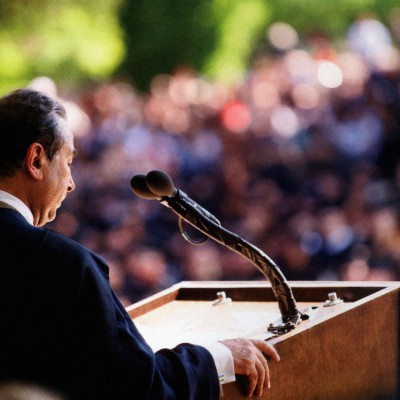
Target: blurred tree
[(238, 23), (217, 37), (332, 17), (66, 40), (164, 34), (72, 40), (211, 36)]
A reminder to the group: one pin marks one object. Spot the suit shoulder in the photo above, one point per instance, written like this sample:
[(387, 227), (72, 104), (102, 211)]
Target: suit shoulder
[(58, 246)]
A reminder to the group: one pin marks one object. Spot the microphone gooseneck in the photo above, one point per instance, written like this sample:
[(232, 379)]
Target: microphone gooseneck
[(158, 185)]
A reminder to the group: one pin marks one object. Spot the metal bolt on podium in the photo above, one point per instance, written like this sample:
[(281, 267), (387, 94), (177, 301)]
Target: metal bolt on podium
[(221, 299)]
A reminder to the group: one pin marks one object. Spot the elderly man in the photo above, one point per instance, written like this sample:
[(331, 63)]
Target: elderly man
[(62, 326)]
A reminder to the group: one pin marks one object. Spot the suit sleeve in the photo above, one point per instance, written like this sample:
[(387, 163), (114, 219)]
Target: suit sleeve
[(128, 365)]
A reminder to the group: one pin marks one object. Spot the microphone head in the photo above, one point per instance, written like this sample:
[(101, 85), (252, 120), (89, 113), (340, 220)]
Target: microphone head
[(140, 188), (160, 184)]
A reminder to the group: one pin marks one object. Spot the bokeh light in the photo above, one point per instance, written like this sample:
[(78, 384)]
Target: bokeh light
[(329, 75), (282, 36)]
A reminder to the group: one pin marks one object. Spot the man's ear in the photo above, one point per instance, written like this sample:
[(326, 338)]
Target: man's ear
[(35, 160)]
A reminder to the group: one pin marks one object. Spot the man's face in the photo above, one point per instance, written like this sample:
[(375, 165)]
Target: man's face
[(57, 179)]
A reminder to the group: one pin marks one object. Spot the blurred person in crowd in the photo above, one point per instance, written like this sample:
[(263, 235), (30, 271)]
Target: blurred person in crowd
[(204, 263), (63, 327), (368, 36), (147, 273), (23, 391)]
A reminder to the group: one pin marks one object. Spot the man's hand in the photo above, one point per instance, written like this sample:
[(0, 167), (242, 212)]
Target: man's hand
[(249, 359)]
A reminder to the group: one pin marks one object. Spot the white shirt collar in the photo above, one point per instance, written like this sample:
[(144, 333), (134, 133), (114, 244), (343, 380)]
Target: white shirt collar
[(16, 203)]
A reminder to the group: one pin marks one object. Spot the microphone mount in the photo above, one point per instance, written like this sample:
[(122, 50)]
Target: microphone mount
[(156, 183)]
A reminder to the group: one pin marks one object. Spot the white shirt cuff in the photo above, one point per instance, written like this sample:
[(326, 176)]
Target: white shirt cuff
[(223, 361)]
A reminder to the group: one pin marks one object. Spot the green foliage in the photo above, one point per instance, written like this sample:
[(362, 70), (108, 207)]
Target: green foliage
[(238, 24), (76, 40), (164, 34), (214, 37), (331, 17), (217, 37), (65, 40)]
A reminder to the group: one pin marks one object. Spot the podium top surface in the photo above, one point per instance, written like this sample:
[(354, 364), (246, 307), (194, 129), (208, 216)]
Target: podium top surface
[(190, 311)]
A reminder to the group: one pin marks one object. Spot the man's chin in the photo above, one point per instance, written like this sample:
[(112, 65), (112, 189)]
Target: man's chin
[(44, 220), (51, 216)]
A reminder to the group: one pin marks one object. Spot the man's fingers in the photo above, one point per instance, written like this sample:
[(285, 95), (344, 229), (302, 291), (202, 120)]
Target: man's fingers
[(257, 378), (264, 364), (266, 348), (253, 380), (250, 359), (262, 372), (263, 378)]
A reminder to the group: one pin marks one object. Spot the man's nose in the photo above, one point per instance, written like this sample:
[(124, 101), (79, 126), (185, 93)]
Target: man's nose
[(71, 185)]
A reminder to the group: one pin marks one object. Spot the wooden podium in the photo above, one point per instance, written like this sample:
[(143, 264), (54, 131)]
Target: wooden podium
[(346, 350)]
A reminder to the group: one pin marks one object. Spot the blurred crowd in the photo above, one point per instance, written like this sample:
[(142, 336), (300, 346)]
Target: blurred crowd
[(300, 157)]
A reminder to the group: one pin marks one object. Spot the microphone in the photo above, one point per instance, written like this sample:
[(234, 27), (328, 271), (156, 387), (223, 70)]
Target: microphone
[(161, 184), (140, 188), (157, 185)]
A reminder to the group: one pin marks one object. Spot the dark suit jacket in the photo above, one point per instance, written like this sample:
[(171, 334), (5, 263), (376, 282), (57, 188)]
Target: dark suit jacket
[(62, 326)]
